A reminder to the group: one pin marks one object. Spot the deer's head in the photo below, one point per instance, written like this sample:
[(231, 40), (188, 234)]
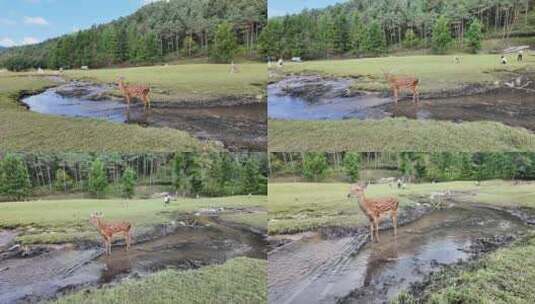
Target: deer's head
[(95, 218), (357, 189)]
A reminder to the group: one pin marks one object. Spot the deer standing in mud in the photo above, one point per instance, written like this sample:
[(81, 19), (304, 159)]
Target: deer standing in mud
[(107, 230), (374, 208), (399, 82), (129, 91)]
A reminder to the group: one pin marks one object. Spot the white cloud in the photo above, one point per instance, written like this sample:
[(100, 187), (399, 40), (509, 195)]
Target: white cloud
[(30, 40), (35, 20), (7, 42)]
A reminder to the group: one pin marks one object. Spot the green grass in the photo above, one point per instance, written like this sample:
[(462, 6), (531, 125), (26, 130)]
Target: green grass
[(436, 73), (188, 82), (22, 130), (396, 134), (60, 221), (297, 207), (240, 281), (503, 277)]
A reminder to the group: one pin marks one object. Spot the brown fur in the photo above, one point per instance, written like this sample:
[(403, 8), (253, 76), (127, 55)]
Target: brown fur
[(399, 82), (107, 230), (374, 208), (130, 91)]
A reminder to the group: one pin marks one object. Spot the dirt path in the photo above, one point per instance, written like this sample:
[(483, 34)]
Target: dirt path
[(48, 275), (350, 270)]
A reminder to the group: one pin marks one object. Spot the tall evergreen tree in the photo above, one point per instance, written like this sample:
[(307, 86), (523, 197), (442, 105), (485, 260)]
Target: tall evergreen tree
[(14, 178), (225, 44), (98, 179), (441, 35), (474, 36)]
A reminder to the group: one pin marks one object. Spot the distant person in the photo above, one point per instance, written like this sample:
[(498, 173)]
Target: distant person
[(400, 183), (503, 60), (167, 200), (280, 63), (520, 56)]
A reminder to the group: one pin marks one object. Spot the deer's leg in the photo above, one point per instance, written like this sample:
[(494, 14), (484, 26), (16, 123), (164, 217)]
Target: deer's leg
[(396, 95), (371, 231), (395, 222), (376, 222)]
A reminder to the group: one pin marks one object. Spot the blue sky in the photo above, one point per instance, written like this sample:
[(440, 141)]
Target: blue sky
[(32, 21), (284, 7)]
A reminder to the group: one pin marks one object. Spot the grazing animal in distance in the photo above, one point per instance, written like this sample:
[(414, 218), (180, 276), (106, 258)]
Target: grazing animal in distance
[(107, 230), (520, 56), (234, 68), (457, 59), (130, 91), (374, 208), (503, 60), (399, 82)]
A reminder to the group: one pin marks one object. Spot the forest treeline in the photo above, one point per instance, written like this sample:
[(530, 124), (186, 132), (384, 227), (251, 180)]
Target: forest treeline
[(100, 175), (416, 167), (160, 31), (373, 27)]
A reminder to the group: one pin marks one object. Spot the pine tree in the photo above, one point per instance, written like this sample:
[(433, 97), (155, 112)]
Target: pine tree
[(225, 44), (315, 166), (352, 165), (441, 35), (474, 36), (358, 34), (375, 42), (128, 182), (98, 180), (14, 178), (411, 40)]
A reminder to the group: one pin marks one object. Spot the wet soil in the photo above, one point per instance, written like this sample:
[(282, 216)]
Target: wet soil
[(331, 99), (349, 269), (238, 127), (51, 274)]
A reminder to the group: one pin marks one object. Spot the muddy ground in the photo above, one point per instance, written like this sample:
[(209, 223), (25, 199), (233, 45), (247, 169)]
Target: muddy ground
[(188, 242), (326, 98), (341, 266), (237, 124)]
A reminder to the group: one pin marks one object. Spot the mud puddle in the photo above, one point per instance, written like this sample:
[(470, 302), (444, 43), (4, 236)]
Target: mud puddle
[(239, 127), (29, 280), (315, 98), (316, 270), (513, 107)]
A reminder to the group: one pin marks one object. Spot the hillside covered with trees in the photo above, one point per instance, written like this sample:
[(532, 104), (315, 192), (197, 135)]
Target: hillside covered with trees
[(161, 31), (99, 175), (419, 167), (375, 27)]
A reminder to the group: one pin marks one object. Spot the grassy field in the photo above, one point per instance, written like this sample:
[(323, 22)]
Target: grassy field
[(187, 82), (297, 207), (29, 131), (239, 281), (396, 134), (436, 73), (506, 276), (60, 221)]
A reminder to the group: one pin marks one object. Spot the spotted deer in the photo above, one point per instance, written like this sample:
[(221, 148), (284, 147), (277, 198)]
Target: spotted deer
[(129, 91), (374, 208), (399, 82), (107, 230)]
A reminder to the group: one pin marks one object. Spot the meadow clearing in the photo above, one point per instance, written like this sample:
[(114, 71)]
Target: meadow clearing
[(188, 82), (298, 207), (63, 221), (439, 76), (25, 130)]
